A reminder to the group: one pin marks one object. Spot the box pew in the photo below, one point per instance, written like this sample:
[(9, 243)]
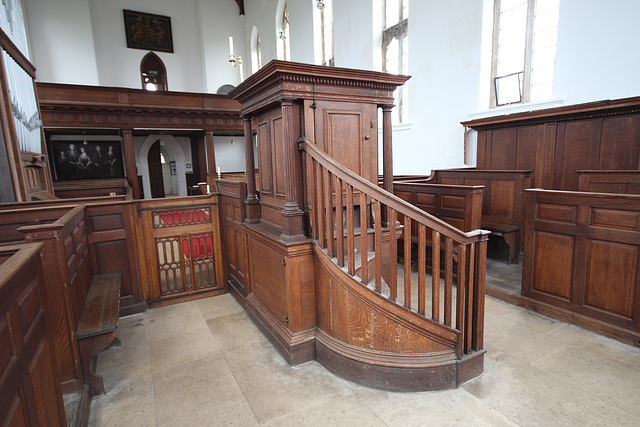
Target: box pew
[(458, 205), (583, 258), (12, 219), (609, 181), (502, 201), (16, 215), (30, 393), (82, 307)]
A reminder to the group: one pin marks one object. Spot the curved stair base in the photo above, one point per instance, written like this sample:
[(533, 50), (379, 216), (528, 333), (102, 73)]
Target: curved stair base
[(421, 372)]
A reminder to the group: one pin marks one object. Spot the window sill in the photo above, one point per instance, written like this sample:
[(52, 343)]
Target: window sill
[(516, 108)]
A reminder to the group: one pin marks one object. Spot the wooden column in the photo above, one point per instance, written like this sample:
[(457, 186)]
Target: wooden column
[(202, 158), (387, 151), (130, 160), (211, 156), (292, 225), (252, 204)]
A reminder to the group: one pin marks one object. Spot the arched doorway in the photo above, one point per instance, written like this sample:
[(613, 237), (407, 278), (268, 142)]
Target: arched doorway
[(155, 159), (170, 175)]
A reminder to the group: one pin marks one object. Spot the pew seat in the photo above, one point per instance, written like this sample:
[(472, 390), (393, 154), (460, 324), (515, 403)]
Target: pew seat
[(97, 325), (510, 234)]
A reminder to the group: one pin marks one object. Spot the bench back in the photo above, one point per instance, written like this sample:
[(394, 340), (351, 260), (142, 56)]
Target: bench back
[(12, 219), (503, 196), (67, 261), (27, 366), (93, 188), (600, 181), (458, 205)]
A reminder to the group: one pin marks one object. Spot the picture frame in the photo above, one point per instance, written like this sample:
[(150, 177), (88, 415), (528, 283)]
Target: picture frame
[(147, 31), (87, 160)]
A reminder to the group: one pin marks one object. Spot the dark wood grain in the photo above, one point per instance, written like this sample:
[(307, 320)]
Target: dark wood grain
[(30, 392)]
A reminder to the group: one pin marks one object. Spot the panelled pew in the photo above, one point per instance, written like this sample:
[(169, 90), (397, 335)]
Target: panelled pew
[(82, 308), (502, 200), (582, 260), (16, 215), (30, 393)]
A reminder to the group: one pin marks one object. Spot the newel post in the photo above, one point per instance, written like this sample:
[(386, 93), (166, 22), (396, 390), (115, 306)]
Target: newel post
[(252, 204)]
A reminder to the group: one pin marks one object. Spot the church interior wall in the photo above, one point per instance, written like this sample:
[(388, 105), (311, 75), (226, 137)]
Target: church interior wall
[(82, 41)]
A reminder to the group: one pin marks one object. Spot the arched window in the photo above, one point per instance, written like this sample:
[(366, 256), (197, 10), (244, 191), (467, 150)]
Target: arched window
[(323, 32), (256, 50), (282, 22), (153, 73)]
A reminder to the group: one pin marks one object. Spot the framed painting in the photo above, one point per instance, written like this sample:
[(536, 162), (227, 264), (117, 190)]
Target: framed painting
[(147, 31), (87, 160)]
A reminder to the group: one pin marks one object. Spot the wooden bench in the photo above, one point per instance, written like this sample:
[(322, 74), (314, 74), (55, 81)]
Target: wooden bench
[(92, 188), (97, 325), (458, 205), (502, 201)]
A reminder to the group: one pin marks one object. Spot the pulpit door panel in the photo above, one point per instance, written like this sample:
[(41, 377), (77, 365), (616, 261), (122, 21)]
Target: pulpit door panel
[(348, 132)]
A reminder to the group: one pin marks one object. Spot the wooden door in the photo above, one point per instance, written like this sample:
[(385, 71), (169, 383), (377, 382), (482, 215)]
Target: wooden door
[(155, 171), (348, 132)]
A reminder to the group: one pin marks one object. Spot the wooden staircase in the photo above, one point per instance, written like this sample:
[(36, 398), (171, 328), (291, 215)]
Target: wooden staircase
[(368, 329)]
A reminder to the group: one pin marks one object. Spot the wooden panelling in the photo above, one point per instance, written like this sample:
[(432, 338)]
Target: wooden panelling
[(279, 156), (459, 205), (600, 136), (619, 143), (610, 181), (503, 193), (557, 213), (233, 195), (502, 149), (615, 265), (350, 317), (585, 255), (107, 222), (30, 393), (265, 158), (112, 238), (527, 138), (553, 266), (268, 280), (615, 219)]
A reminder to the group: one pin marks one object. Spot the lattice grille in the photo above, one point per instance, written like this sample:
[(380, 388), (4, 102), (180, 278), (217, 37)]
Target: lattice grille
[(183, 216), (185, 263), (199, 265), (169, 265)]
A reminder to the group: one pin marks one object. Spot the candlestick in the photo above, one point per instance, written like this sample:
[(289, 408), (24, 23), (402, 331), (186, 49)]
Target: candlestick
[(230, 46)]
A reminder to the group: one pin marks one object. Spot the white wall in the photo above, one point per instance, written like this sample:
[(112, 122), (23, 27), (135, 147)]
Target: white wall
[(444, 60), (217, 21), (598, 46), (229, 151), (83, 41), (184, 66), (61, 41)]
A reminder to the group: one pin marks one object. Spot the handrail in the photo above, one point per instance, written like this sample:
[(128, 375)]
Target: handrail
[(377, 226), (379, 194)]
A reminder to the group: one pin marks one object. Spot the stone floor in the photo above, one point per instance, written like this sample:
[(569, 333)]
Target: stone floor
[(204, 363)]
